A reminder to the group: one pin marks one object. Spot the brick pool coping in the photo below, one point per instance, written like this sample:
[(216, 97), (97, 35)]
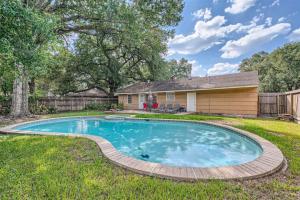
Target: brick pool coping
[(269, 162)]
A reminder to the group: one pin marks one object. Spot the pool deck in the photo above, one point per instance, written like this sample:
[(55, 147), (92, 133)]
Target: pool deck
[(271, 160)]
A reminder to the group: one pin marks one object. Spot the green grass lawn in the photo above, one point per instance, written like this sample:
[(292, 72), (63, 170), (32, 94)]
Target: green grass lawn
[(49, 167)]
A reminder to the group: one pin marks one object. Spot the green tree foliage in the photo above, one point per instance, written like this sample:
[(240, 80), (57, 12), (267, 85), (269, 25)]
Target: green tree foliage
[(278, 71), (24, 33), (127, 40), (6, 75), (252, 64), (125, 46), (179, 69)]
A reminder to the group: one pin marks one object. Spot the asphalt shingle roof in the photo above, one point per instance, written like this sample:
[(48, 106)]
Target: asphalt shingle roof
[(242, 79)]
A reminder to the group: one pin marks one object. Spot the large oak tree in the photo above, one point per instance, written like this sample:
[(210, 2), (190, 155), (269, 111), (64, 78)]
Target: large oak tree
[(30, 25)]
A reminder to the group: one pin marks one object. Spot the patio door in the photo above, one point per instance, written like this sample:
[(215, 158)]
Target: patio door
[(142, 100), (191, 102)]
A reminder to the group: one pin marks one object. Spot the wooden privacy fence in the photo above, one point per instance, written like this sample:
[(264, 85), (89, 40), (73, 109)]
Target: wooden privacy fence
[(73, 103), (268, 104), (273, 104)]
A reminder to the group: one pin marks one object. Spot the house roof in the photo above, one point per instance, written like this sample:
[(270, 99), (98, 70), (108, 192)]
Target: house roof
[(243, 79), (91, 92)]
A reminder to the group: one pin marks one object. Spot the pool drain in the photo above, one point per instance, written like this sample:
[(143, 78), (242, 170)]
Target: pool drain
[(145, 156)]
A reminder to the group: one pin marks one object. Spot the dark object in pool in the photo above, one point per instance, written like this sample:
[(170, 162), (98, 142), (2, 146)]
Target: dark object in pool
[(145, 156), (147, 120)]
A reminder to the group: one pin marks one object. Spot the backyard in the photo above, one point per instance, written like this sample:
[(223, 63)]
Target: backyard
[(47, 167), (174, 99)]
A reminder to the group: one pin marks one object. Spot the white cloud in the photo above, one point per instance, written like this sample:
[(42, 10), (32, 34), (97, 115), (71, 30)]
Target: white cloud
[(223, 68), (269, 21), (239, 6), (256, 37), (253, 23), (206, 34), (257, 18), (204, 14), (215, 1), (281, 19), (197, 69), (275, 3), (294, 36)]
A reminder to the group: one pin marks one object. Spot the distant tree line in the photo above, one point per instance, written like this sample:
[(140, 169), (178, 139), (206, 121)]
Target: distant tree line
[(279, 71)]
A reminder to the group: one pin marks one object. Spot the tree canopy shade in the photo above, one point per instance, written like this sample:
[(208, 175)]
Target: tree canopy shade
[(24, 32), (278, 71), (124, 43), (119, 41)]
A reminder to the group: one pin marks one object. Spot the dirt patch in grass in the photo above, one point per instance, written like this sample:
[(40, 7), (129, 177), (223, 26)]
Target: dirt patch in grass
[(83, 150), (229, 123), (276, 134), (281, 185)]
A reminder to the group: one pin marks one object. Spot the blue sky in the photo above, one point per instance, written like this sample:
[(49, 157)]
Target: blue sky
[(216, 35)]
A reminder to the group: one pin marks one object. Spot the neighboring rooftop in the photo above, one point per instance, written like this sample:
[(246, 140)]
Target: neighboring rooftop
[(243, 79), (92, 92)]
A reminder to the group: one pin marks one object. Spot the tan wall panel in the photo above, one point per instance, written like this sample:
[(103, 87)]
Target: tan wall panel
[(124, 99), (161, 98), (233, 101), (181, 98), (135, 102), (230, 91)]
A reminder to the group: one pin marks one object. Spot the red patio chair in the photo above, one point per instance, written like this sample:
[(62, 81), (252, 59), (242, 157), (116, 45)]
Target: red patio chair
[(145, 106), (155, 106)]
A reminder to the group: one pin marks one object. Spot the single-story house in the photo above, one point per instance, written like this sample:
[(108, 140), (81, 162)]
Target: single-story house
[(231, 94)]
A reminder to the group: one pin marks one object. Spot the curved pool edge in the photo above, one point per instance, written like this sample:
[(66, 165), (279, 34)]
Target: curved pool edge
[(269, 162)]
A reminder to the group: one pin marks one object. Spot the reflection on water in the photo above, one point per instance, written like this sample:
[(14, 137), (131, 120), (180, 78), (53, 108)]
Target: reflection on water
[(171, 143)]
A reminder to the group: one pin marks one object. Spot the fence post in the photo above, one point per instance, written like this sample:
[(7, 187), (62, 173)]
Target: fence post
[(71, 104), (55, 103), (292, 103), (278, 103), (258, 105)]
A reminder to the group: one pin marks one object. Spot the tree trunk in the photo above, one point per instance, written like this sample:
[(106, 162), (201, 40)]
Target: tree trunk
[(32, 86), (19, 107)]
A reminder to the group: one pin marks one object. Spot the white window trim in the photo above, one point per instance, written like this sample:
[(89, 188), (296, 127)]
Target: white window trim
[(170, 100)]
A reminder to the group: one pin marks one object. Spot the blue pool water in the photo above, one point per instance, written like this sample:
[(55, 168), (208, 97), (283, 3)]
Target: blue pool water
[(170, 143)]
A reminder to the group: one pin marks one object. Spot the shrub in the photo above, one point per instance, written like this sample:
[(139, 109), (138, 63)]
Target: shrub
[(52, 110), (39, 109), (5, 104), (118, 106)]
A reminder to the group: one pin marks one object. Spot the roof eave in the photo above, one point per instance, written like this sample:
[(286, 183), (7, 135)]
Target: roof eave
[(202, 89)]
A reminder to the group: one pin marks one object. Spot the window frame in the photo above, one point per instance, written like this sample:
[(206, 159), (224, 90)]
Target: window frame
[(129, 100), (168, 99)]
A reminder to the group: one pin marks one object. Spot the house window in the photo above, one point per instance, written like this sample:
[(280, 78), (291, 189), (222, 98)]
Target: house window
[(129, 99), (170, 96), (154, 99)]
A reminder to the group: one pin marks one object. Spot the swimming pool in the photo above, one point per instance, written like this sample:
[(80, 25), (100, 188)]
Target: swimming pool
[(181, 144)]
